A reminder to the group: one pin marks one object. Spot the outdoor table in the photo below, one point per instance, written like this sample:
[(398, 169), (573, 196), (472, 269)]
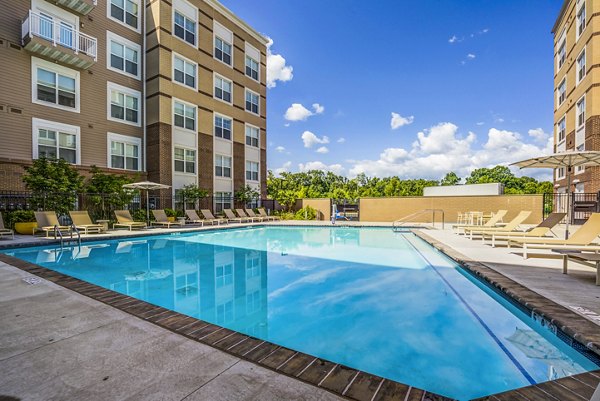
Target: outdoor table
[(181, 220), (104, 224), (581, 256)]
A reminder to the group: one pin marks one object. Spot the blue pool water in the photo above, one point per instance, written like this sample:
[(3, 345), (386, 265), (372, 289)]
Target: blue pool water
[(383, 302)]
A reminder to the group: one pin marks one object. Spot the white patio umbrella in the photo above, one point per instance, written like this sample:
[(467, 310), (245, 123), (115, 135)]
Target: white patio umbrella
[(148, 186), (568, 159)]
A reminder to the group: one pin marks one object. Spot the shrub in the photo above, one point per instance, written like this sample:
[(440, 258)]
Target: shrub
[(140, 215), (18, 216), (306, 213), (173, 213)]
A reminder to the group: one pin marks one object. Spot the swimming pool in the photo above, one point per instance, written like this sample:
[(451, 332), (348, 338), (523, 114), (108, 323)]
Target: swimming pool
[(383, 302)]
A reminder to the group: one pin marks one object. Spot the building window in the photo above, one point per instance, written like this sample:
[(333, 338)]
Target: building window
[(251, 171), (124, 152), (54, 85), (223, 89), (581, 66), (125, 11), (581, 112), (185, 160), (581, 23), (55, 141), (223, 127), (222, 166), (124, 104), (560, 173), (252, 136), (562, 130), (252, 68), (222, 201), (123, 56), (184, 115), (184, 28), (562, 52), (252, 100), (184, 71), (222, 50), (562, 91)]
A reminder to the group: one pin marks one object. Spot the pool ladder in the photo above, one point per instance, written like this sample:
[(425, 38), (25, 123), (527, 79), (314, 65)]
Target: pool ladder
[(398, 224), (72, 229)]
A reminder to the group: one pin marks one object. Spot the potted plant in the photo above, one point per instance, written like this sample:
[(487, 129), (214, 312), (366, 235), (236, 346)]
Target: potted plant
[(171, 214), (23, 221)]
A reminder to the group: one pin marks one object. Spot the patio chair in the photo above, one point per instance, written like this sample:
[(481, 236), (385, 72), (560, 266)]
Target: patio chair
[(510, 226), (242, 214), (82, 221), (263, 213), (47, 222), (539, 231), (161, 218), (491, 223), (124, 219), (581, 240), (5, 231), (193, 218), (210, 218), (231, 217), (253, 215)]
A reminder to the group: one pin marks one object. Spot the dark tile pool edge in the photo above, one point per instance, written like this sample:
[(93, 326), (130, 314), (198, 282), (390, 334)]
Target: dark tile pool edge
[(338, 379), (578, 328)]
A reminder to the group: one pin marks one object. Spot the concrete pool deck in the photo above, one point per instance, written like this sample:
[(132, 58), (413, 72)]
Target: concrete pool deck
[(100, 340)]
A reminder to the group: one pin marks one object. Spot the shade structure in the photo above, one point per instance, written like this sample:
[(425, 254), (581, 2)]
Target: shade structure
[(147, 186), (568, 159)]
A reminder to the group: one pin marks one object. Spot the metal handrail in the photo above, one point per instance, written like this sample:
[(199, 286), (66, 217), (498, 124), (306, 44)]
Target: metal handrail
[(398, 223)]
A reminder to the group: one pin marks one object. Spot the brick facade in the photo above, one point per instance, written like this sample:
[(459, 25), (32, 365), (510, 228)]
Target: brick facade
[(206, 170), (158, 148)]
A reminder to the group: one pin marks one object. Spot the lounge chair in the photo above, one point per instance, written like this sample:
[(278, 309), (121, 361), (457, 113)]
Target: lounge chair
[(5, 231), (231, 217), (124, 219), (210, 218), (242, 214), (253, 215), (263, 213), (581, 240), (510, 226), (193, 218), (47, 222), (491, 223), (539, 231), (81, 220), (161, 218)]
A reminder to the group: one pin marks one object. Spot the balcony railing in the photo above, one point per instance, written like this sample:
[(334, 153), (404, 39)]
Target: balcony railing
[(59, 33)]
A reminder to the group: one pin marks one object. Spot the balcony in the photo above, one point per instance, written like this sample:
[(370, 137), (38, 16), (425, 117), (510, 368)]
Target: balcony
[(58, 41), (81, 7)]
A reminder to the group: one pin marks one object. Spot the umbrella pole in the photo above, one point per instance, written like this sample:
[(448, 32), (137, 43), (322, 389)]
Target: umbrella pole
[(569, 214), (147, 209)]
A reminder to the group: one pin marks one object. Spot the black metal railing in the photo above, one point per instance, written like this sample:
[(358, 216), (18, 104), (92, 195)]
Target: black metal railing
[(582, 205)]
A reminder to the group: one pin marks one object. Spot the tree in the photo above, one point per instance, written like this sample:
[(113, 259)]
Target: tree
[(106, 190), (246, 194), (54, 184), (450, 179), (191, 193)]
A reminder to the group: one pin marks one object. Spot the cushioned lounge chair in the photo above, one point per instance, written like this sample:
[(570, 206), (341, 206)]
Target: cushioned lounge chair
[(161, 218), (5, 231), (243, 215), (510, 226), (211, 218), (581, 240), (263, 213), (253, 215), (193, 218), (491, 223), (47, 222), (231, 217), (539, 231), (83, 222), (124, 219)]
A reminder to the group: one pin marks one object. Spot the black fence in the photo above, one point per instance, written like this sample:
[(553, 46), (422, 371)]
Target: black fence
[(582, 205)]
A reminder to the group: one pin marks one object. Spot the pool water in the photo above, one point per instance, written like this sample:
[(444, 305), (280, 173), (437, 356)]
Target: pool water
[(382, 302)]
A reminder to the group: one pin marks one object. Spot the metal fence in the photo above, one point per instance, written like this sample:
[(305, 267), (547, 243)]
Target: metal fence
[(582, 205)]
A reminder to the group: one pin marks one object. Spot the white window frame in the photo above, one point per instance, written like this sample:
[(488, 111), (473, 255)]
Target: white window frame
[(128, 140), (222, 116), (561, 173), (110, 87), (57, 69), (219, 200), (222, 158), (110, 36), (186, 16), (38, 123), (215, 77), (578, 66), (558, 131), (562, 44), (579, 124), (139, 16), (246, 92), (579, 9), (185, 60), (251, 163), (561, 99), (249, 126), (185, 150), (186, 104), (223, 41)]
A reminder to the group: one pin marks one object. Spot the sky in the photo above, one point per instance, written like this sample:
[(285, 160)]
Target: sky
[(408, 88)]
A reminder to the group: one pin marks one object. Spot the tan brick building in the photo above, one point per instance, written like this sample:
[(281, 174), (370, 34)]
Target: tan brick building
[(577, 89), (184, 103)]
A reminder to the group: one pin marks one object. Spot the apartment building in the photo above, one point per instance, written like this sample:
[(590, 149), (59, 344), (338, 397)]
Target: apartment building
[(169, 91), (577, 89)]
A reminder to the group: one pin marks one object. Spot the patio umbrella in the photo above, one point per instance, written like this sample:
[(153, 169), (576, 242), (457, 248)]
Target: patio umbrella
[(568, 159), (147, 186)]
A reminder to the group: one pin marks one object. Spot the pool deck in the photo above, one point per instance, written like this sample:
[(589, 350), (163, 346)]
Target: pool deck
[(58, 344)]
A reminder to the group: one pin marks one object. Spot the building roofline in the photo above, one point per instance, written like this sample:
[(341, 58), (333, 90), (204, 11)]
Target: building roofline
[(561, 14), (237, 20)]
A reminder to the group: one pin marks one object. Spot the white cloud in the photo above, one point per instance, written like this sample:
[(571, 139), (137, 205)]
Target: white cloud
[(480, 123), (297, 112), (311, 139), (317, 165), (286, 124), (454, 39), (318, 108), (283, 169), (323, 149), (280, 149), (277, 70), (341, 140), (471, 56), (399, 121), (538, 134)]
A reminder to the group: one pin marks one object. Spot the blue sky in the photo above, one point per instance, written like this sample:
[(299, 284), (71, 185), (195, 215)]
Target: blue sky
[(470, 84)]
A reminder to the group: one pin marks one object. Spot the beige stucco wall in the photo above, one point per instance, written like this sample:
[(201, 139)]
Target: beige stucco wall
[(390, 209), (323, 205)]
